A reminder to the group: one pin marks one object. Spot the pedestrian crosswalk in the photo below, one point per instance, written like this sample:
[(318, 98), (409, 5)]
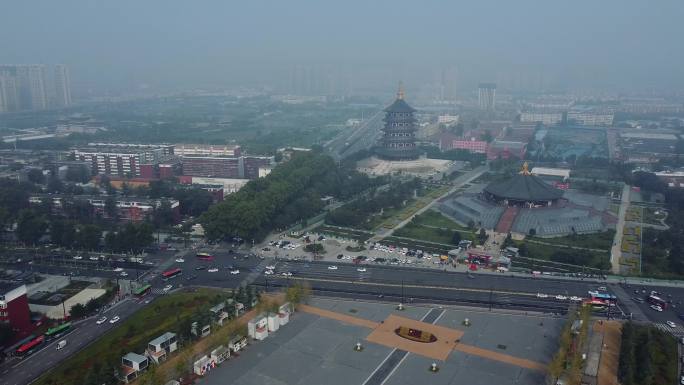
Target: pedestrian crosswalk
[(255, 273), (677, 331), (365, 276)]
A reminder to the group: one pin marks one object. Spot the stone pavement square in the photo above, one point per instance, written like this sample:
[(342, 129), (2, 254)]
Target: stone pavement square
[(314, 350)]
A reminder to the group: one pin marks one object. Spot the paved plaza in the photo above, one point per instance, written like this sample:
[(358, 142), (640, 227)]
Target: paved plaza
[(497, 348)]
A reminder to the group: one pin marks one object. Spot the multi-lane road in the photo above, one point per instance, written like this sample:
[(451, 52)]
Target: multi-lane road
[(83, 333), (365, 281)]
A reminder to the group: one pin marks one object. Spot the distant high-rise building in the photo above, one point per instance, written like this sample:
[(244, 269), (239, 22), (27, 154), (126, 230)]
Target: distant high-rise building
[(448, 83), (8, 91), (23, 87), (62, 86), (487, 96), (32, 87)]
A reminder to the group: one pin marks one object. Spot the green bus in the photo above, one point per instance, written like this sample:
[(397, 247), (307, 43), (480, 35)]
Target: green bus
[(57, 330), (142, 291)]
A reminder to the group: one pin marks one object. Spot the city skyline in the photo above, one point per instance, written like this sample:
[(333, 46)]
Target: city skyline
[(26, 87), (520, 46)]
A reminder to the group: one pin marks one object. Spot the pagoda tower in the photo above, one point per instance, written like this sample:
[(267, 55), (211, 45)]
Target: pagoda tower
[(399, 133)]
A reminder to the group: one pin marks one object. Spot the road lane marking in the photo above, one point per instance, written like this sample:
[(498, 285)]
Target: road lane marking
[(417, 286)]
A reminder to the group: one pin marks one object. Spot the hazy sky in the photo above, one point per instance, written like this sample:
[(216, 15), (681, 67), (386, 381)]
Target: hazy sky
[(626, 44)]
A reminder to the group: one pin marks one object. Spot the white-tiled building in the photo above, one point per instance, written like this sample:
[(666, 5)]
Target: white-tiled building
[(159, 348)]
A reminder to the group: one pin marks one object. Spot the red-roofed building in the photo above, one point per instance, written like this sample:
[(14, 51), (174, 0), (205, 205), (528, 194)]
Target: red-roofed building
[(14, 308)]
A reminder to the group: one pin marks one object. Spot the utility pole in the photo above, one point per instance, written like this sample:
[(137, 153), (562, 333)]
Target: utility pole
[(402, 290)]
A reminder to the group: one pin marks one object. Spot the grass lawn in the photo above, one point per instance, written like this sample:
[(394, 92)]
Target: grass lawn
[(432, 226), (342, 232), (393, 217), (602, 240), (436, 219), (545, 252), (164, 314), (418, 245), (422, 233)]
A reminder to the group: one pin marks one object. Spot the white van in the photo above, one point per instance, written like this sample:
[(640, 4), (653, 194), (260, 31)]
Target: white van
[(61, 344)]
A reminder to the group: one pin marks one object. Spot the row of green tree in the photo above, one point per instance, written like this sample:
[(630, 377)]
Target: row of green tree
[(288, 195), (663, 251), (647, 356), (33, 225), (359, 212)]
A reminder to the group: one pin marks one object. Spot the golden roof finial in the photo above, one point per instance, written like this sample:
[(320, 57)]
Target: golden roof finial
[(525, 169), (400, 92)]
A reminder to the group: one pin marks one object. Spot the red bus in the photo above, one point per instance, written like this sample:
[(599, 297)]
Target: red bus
[(168, 274), (655, 300), (205, 257), (27, 348)]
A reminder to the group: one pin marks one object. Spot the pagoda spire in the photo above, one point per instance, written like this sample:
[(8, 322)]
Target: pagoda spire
[(525, 169), (400, 92)]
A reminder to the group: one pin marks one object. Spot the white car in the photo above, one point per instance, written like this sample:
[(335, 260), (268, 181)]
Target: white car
[(270, 267), (286, 274), (671, 324), (213, 270), (93, 258), (561, 297), (656, 308), (114, 320), (542, 295), (167, 288), (268, 272), (101, 320), (124, 274), (78, 257), (118, 269), (180, 260), (332, 267), (361, 269), (235, 272), (575, 298)]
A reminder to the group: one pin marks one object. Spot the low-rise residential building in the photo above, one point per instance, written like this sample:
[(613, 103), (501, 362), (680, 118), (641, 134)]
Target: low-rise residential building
[(648, 146), (159, 348), (547, 118), (469, 144), (122, 159), (132, 366), (208, 149), (128, 208), (227, 185), (587, 116), (673, 179), (506, 149), (448, 119)]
